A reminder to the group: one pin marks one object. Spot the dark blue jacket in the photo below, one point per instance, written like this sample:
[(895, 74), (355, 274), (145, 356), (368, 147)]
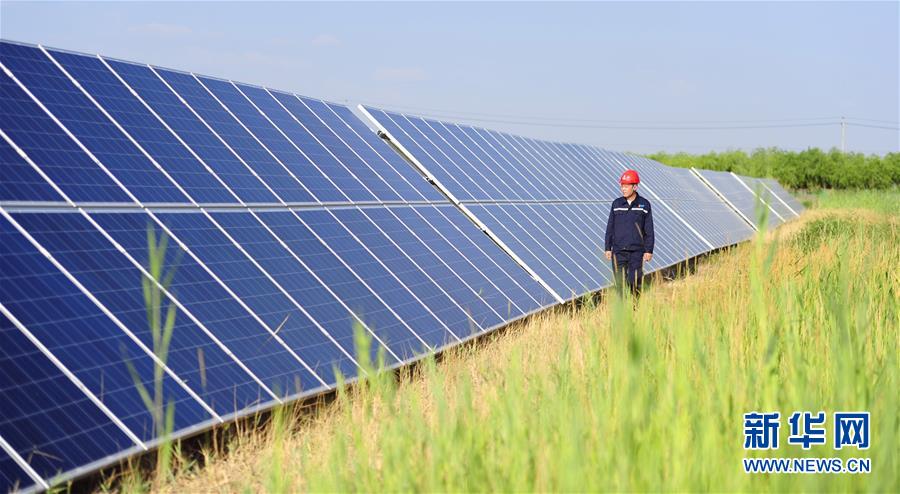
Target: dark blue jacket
[(630, 227)]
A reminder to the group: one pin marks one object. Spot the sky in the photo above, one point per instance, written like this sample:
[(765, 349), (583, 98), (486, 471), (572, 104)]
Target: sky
[(636, 76)]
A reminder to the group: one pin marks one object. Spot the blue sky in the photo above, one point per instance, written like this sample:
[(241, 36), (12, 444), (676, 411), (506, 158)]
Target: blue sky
[(576, 72)]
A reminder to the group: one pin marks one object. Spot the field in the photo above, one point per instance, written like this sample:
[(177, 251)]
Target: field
[(613, 398)]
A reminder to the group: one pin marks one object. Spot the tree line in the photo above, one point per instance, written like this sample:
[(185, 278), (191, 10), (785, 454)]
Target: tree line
[(809, 169)]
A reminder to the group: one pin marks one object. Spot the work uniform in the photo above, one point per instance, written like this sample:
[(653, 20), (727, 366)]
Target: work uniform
[(629, 234)]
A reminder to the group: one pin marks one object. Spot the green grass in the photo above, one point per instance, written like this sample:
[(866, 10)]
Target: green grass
[(612, 398)]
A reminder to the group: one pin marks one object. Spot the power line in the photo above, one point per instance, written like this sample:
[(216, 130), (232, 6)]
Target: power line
[(652, 127), (873, 126), (533, 119)]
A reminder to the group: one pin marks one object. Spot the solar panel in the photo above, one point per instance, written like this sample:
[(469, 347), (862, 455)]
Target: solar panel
[(739, 196), (548, 202), (289, 224), (765, 196), (783, 196)]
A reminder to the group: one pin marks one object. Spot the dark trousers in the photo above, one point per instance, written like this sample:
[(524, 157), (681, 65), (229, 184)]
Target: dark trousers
[(630, 267)]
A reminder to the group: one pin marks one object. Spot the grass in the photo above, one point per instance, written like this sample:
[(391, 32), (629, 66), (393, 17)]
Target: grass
[(610, 398)]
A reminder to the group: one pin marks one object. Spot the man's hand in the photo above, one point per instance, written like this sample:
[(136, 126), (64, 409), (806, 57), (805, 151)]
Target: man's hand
[(608, 255), (648, 256)]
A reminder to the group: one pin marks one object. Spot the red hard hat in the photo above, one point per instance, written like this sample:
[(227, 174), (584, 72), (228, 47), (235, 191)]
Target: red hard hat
[(630, 177)]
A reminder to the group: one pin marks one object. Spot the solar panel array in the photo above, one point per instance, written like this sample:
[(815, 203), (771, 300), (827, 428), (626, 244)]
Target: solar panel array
[(548, 202), (288, 226)]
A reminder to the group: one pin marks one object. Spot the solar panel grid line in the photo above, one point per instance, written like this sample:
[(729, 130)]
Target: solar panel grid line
[(562, 166), (106, 311), (339, 160), (558, 168), (516, 190), (482, 276), (17, 458), (72, 377), (277, 159), (481, 182), (583, 183), (174, 183), (6, 138), (270, 231), (520, 177), (574, 244), (433, 228), (404, 178), (549, 154), (480, 157), (395, 161), (371, 332), (778, 197), (527, 168), (584, 234), (281, 242), (531, 232), (213, 132), (569, 227), (168, 128), (471, 216), (170, 296), (724, 199), (446, 147), (756, 193), (101, 306), (795, 205), (440, 258), (458, 152), (174, 300)]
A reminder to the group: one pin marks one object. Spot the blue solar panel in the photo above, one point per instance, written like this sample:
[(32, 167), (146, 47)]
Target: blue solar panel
[(117, 284), (47, 420), (88, 124), (790, 202), (199, 139), (12, 476), (136, 119), (532, 295), (19, 181), (47, 144), (739, 196), (764, 195)]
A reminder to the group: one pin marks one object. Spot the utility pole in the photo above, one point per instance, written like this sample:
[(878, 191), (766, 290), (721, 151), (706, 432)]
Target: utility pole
[(843, 135)]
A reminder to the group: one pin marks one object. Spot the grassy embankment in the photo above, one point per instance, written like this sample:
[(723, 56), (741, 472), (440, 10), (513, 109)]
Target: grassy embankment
[(606, 398)]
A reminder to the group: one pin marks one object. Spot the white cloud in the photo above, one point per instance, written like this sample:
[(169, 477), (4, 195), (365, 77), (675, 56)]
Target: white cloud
[(325, 40), (161, 29), (400, 74)]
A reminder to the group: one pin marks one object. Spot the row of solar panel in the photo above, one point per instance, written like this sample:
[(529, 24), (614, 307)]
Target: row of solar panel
[(267, 297), (488, 172), (289, 223)]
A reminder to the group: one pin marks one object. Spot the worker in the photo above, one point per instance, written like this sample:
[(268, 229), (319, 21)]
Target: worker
[(629, 233)]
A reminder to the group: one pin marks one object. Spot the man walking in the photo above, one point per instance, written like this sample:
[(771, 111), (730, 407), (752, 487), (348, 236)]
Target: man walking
[(629, 233)]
